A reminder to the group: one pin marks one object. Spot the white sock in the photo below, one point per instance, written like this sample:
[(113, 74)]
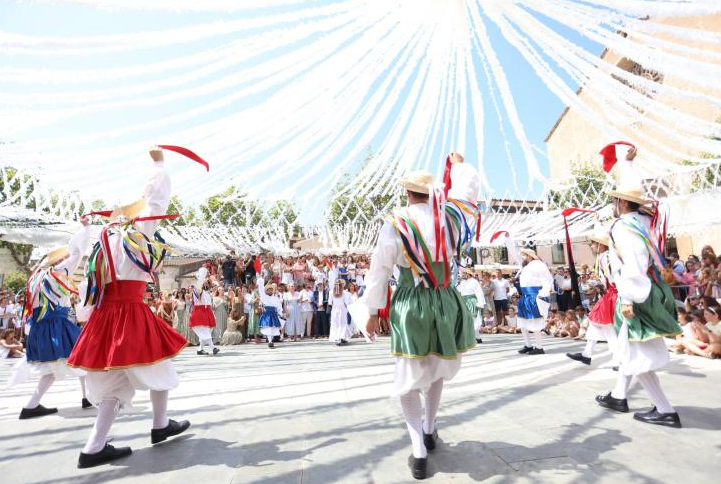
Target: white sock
[(433, 401), (209, 342), (649, 382), (588, 350), (622, 384), (411, 405), (526, 337), (43, 385), (107, 410), (201, 344), (160, 408), (82, 386), (539, 342)]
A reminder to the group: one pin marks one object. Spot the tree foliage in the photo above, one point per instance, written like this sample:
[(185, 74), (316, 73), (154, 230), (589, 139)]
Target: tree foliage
[(15, 281), (588, 189)]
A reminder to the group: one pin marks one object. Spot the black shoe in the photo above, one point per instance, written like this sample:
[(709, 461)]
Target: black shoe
[(201, 352), (617, 404), (173, 428), (216, 351), (579, 357), (36, 412), (419, 467), (525, 349), (615, 368), (86, 403), (429, 440), (109, 453), (537, 351), (657, 418), (343, 342), (479, 340), (271, 345)]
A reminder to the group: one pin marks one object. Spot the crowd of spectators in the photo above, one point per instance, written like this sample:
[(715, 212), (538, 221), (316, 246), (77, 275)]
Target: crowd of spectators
[(308, 280)]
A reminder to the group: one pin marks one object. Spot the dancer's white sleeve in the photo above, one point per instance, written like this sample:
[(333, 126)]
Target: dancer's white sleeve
[(631, 275), (78, 245), (157, 195), (382, 262)]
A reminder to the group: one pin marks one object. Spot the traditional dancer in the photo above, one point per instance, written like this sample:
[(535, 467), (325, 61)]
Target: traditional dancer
[(52, 334), (340, 327), (430, 325), (645, 309), (124, 347), (472, 293), (600, 320), (270, 325), (202, 319), (536, 283)]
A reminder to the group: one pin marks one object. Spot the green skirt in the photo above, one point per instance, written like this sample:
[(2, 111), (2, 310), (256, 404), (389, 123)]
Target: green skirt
[(253, 328), (656, 317), (471, 304), (429, 321)]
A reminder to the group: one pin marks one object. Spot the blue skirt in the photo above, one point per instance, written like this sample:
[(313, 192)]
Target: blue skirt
[(269, 318), (52, 338), (527, 305)]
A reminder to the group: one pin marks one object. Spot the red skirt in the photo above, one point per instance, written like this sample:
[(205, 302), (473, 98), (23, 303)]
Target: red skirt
[(602, 313), (202, 316), (123, 332), (384, 313)]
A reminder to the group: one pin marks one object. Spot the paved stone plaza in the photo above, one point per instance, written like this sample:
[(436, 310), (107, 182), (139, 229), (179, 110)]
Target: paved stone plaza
[(314, 413)]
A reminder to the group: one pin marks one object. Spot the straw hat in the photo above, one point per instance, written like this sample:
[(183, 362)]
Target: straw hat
[(56, 255), (417, 181), (529, 252), (600, 235), (129, 211)]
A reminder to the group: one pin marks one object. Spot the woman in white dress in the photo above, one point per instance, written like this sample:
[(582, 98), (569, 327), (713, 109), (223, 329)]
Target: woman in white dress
[(340, 329), (293, 325), (287, 277)]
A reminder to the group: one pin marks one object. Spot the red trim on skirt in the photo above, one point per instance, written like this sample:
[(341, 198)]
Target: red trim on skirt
[(603, 311), (123, 332), (202, 315)]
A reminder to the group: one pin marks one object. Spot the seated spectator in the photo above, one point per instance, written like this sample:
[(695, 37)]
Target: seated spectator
[(489, 323), (511, 326), (232, 334), (582, 320), (551, 322), (709, 345), (9, 346), (569, 327)]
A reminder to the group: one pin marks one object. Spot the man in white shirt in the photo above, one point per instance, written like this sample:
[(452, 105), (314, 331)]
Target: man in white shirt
[(501, 288), (306, 309)]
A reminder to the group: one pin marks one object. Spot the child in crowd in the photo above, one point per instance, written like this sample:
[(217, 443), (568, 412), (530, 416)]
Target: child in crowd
[(582, 320), (511, 326), (489, 323), (9, 346)]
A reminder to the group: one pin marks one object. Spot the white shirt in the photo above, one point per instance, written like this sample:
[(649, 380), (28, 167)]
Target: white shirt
[(205, 298), (306, 296), (157, 196), (536, 274), (268, 300), (500, 287), (471, 287), (630, 261), (388, 254)]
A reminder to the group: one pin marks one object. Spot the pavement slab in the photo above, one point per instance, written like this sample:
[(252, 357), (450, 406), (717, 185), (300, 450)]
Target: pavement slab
[(314, 413)]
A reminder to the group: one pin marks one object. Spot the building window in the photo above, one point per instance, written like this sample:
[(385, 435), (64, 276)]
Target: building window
[(558, 255)]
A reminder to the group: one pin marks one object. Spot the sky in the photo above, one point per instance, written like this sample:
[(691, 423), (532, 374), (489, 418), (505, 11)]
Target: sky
[(538, 108)]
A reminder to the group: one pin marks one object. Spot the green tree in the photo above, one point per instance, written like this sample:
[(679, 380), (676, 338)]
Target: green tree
[(20, 253), (15, 280), (588, 189)]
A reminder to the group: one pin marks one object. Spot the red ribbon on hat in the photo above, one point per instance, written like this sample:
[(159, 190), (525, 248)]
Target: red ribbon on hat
[(609, 154), (498, 234), (570, 211), (186, 152), (102, 213), (478, 227)]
